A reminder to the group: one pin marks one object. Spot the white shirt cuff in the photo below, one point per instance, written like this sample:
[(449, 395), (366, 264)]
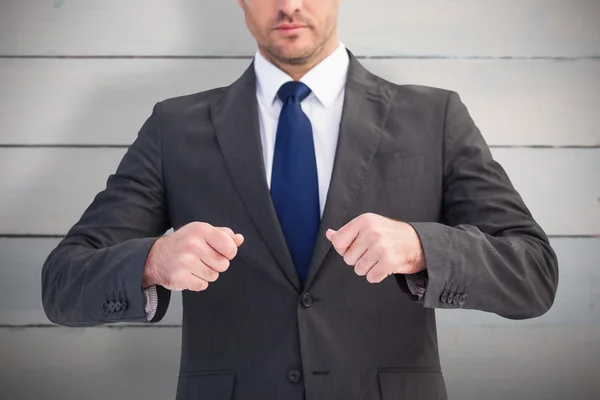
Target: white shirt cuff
[(150, 302), (415, 286)]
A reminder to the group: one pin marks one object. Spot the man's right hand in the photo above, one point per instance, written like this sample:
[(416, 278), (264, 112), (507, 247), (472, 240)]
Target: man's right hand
[(191, 257)]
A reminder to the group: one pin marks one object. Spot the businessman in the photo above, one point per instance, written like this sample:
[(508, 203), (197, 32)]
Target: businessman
[(320, 215)]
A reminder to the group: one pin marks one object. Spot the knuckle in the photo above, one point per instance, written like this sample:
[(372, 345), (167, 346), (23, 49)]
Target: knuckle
[(364, 262), (371, 235), (224, 265), (212, 275), (359, 271), (224, 245), (348, 259), (384, 258), (183, 261), (368, 217), (358, 266), (374, 275), (189, 244), (375, 235), (203, 284), (200, 227), (200, 285), (195, 225), (217, 262)]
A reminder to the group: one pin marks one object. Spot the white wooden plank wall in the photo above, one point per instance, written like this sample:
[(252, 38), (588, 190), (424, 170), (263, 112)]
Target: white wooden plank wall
[(515, 102), (78, 78), (432, 28)]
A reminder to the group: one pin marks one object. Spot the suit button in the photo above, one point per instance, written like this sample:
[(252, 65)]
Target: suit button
[(294, 376), (456, 299), (105, 307), (124, 305), (450, 298), (306, 300), (444, 297), (463, 299), (118, 306)]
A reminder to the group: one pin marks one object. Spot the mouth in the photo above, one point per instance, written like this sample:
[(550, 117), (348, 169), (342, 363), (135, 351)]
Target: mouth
[(289, 28)]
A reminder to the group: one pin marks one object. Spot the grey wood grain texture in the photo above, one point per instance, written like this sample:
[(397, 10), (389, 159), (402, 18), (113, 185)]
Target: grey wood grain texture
[(438, 28), (21, 261), (486, 50), (83, 101), (577, 301), (498, 363), (45, 191)]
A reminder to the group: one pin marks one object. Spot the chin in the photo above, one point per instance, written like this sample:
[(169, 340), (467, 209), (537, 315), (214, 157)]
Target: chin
[(293, 54)]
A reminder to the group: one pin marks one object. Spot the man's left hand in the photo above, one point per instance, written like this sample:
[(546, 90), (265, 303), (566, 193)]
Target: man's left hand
[(378, 246)]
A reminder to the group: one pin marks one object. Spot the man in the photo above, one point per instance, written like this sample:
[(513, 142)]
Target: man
[(294, 194)]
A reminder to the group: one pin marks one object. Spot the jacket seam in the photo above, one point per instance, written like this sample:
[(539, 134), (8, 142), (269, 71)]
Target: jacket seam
[(161, 162), (444, 134)]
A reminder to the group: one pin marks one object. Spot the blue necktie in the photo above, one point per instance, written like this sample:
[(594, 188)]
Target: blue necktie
[(294, 181)]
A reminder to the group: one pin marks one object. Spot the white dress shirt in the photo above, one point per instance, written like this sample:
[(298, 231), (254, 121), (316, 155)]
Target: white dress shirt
[(323, 107)]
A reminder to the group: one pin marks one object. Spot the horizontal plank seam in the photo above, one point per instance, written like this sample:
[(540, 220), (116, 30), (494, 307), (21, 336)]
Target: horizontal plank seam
[(31, 236), (544, 146), (249, 57), (61, 236), (17, 327), (121, 326), (63, 146), (124, 146)]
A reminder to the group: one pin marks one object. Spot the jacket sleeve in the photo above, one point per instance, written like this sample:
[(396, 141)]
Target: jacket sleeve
[(488, 253), (94, 275)]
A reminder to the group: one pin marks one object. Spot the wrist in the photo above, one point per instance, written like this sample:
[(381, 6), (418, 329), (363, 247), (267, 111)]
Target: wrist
[(149, 278), (418, 261)]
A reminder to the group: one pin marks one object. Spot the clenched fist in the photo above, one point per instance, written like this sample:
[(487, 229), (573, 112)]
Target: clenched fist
[(191, 257), (377, 247)]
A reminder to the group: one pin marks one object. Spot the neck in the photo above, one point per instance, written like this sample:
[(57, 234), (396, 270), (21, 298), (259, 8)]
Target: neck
[(298, 70)]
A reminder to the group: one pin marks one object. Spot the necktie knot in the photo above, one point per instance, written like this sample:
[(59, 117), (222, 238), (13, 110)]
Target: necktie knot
[(293, 90)]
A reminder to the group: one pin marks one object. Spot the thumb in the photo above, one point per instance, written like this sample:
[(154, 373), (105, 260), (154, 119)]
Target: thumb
[(226, 230), (237, 238), (330, 233)]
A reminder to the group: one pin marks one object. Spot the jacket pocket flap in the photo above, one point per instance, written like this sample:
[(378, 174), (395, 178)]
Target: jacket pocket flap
[(413, 384), (206, 385)]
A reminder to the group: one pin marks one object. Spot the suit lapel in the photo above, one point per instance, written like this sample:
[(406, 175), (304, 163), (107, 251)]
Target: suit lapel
[(366, 105), (235, 118)]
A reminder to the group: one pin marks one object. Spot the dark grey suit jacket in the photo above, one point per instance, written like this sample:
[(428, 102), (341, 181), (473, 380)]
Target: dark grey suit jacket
[(410, 153)]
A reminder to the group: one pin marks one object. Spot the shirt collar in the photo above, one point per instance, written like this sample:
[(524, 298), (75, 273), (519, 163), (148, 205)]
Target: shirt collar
[(326, 80)]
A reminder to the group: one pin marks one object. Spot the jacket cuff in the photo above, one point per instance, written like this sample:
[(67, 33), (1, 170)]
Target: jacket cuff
[(439, 261)]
